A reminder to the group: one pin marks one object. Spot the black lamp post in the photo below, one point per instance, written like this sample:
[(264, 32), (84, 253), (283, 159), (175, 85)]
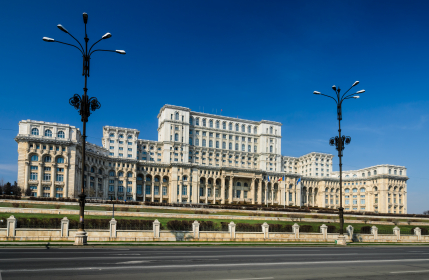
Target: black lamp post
[(85, 105), (340, 141)]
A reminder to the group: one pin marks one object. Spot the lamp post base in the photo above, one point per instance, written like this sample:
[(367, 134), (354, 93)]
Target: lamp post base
[(81, 238), (341, 240)]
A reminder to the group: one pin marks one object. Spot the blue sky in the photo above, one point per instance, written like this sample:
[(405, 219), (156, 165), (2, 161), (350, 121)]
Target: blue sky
[(252, 59)]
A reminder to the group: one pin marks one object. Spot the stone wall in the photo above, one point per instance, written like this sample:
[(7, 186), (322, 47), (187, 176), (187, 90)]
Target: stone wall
[(12, 233)]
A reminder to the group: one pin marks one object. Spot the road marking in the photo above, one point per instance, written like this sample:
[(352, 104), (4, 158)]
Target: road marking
[(416, 271), (132, 262), (247, 278), (125, 254), (213, 265)]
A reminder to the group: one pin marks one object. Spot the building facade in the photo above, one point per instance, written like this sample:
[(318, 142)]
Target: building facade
[(198, 158)]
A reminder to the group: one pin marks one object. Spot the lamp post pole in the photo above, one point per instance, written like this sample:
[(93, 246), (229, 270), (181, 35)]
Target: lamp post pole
[(339, 142), (85, 105)]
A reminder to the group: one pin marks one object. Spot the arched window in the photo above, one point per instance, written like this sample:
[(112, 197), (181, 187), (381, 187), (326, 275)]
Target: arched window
[(255, 130), (130, 137), (217, 124), (61, 134), (363, 174), (34, 158), (217, 144), (148, 178), (209, 181), (394, 172), (375, 189), (354, 190), (185, 178), (165, 179), (47, 159), (100, 172), (224, 125), (35, 131), (112, 173), (245, 184), (190, 141), (210, 144), (375, 172), (121, 174), (271, 130), (390, 171), (237, 127), (243, 128), (197, 142), (249, 148), (204, 142), (346, 190), (230, 126), (176, 137), (129, 174), (238, 184), (243, 147), (92, 169), (236, 146), (204, 122), (60, 160), (191, 119), (197, 121), (230, 146), (156, 179), (362, 189), (223, 145), (112, 135), (139, 178), (369, 173), (326, 189), (121, 136), (177, 116), (210, 123), (271, 149)]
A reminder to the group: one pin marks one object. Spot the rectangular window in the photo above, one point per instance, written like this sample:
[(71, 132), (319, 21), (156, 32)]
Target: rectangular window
[(33, 176), (47, 177), (362, 201), (184, 190), (34, 168), (121, 189), (156, 190), (354, 201), (111, 188), (164, 190), (60, 178)]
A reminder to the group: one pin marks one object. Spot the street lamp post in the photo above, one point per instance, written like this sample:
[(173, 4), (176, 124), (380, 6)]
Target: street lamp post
[(85, 105), (339, 142)]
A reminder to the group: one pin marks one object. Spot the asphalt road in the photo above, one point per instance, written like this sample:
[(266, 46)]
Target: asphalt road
[(220, 263)]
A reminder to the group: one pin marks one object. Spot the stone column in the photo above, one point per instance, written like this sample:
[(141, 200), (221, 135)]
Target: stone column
[(180, 192), (231, 228), (65, 227), (252, 190), (259, 191), (206, 188), (196, 229), (324, 231), (374, 231), (222, 190), (265, 230), (134, 188), (295, 229), (397, 232), (231, 186), (66, 181), (26, 178), (152, 189), (418, 232), (11, 226), (156, 228), (144, 187), (54, 175), (113, 224), (39, 187), (116, 188)]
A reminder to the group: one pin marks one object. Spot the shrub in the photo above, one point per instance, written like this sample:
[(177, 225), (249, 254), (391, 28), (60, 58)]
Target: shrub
[(57, 206), (365, 229), (16, 205), (305, 228), (179, 225)]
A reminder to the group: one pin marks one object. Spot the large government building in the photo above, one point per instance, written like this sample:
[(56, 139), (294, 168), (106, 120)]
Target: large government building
[(198, 158)]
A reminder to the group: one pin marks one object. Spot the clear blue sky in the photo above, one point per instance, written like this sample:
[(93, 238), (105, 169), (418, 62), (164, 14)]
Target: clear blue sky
[(253, 59)]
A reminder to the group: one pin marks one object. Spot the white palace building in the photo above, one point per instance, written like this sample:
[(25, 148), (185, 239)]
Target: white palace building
[(198, 158)]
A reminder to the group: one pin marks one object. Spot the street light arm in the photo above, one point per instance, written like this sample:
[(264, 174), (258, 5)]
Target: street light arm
[(344, 94), (69, 45), (354, 94), (77, 42), (329, 97), (94, 45), (117, 51)]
